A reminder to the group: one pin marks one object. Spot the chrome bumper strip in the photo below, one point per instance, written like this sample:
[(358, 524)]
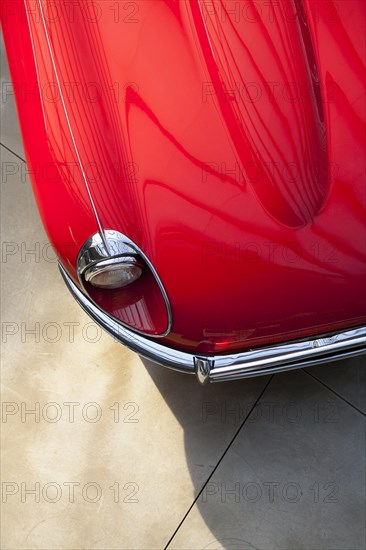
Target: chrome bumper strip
[(215, 368)]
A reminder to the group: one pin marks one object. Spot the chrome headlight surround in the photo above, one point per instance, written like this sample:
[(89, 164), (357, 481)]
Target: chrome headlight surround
[(98, 248), (113, 248)]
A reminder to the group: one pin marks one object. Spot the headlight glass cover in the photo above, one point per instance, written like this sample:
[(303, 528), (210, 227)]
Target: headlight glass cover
[(114, 273)]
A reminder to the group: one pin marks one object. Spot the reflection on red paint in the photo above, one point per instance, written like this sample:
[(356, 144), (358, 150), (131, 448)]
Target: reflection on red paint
[(200, 128)]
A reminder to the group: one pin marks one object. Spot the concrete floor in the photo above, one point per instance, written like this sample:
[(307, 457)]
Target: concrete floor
[(121, 454)]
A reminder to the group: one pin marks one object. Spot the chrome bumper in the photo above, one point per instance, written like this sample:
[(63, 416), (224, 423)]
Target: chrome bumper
[(215, 368)]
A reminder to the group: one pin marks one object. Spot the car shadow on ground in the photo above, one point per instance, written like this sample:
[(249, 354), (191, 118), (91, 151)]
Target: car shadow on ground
[(287, 433), (210, 417)]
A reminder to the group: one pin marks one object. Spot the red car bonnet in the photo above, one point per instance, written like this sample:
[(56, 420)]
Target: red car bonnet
[(226, 139)]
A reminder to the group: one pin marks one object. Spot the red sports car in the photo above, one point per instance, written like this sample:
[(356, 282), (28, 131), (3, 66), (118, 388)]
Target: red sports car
[(199, 166)]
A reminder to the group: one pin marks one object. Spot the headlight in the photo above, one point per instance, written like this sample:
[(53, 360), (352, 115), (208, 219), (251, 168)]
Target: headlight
[(114, 273), (121, 280)]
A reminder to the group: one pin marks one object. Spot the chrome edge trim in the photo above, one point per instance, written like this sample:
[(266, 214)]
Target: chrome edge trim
[(149, 349), (258, 362), (94, 251)]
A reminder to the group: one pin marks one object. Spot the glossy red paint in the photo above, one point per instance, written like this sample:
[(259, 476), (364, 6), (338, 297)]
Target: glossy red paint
[(140, 305), (226, 139)]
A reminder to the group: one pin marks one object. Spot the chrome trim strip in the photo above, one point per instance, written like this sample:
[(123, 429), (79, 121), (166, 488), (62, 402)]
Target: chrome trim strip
[(149, 349), (257, 362), (94, 251), (69, 123)]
